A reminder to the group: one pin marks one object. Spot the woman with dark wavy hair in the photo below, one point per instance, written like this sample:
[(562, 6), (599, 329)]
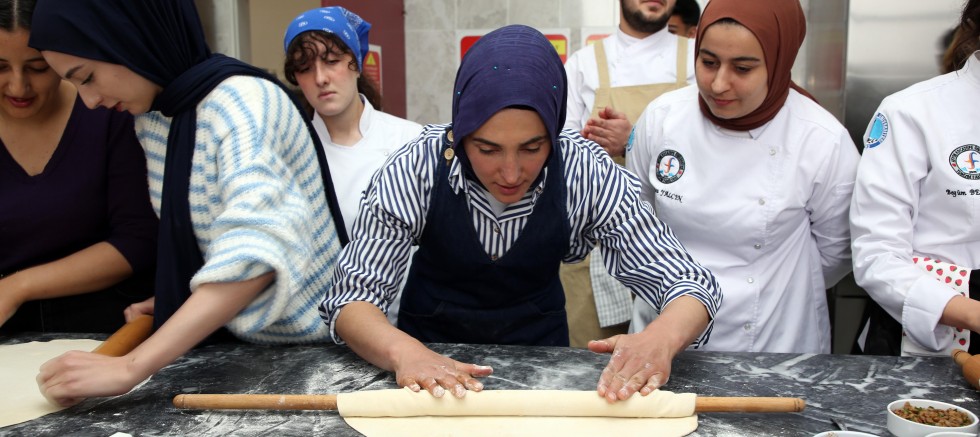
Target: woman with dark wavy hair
[(326, 50)]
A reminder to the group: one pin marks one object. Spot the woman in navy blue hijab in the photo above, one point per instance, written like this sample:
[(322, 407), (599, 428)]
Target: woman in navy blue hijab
[(496, 201), (249, 227)]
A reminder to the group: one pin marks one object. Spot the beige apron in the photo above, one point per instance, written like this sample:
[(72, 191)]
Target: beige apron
[(580, 303), (634, 99)]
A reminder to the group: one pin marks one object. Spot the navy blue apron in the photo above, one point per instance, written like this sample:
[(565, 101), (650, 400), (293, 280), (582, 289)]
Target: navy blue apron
[(457, 293)]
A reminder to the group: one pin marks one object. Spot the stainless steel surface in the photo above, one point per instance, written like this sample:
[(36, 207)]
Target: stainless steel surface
[(891, 44), (859, 51), (856, 53), (820, 64)]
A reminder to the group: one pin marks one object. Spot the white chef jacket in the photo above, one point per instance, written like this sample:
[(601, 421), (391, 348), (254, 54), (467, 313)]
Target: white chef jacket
[(918, 192), (764, 210), (632, 61), (351, 167)]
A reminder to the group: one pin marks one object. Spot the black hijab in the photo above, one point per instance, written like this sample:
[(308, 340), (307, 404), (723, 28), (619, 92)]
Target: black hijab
[(162, 41)]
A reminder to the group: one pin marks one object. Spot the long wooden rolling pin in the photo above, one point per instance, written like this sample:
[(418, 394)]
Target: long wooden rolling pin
[(127, 338), (329, 402)]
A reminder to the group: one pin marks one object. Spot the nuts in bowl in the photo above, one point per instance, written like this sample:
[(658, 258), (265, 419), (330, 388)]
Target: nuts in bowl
[(920, 417)]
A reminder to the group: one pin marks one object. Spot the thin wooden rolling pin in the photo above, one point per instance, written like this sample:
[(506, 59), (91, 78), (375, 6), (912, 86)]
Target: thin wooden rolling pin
[(126, 338), (329, 402)]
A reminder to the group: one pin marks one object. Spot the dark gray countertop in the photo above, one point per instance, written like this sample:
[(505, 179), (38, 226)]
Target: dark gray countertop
[(855, 389)]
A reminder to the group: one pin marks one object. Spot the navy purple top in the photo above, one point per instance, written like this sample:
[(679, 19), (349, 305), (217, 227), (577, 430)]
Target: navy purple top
[(93, 189)]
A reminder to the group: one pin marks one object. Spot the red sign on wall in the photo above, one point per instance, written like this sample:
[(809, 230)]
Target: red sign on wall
[(591, 39), (559, 41), (372, 65), (466, 43)]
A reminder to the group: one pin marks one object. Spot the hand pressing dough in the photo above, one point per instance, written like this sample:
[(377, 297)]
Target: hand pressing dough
[(19, 364), (516, 413)]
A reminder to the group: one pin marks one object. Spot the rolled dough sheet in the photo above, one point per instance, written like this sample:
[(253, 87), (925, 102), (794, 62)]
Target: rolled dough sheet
[(19, 364), (514, 426), (516, 413)]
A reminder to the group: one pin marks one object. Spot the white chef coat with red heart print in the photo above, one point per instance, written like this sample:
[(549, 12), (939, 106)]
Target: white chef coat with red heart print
[(958, 278)]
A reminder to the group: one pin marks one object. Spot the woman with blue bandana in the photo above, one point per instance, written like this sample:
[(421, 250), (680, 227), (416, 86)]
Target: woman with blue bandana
[(495, 202), (249, 230), (325, 53)]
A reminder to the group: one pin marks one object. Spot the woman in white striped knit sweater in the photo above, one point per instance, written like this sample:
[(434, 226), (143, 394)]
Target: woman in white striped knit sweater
[(248, 217)]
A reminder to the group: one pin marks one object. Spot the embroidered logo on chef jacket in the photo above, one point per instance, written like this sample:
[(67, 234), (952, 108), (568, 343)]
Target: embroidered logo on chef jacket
[(965, 161), (878, 132), (670, 166)]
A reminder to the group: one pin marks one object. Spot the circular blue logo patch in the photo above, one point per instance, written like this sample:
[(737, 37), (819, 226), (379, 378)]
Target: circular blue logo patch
[(878, 132), (670, 166), (629, 142), (965, 161)]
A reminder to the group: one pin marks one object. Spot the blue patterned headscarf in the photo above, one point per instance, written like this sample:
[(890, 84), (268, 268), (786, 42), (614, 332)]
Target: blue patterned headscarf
[(349, 27), (511, 66)]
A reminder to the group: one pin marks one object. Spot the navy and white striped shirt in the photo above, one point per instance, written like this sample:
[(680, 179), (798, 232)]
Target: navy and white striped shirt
[(603, 205)]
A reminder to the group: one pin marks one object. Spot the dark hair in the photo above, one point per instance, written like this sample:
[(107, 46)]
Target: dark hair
[(303, 50), (966, 40), (16, 14), (689, 11)]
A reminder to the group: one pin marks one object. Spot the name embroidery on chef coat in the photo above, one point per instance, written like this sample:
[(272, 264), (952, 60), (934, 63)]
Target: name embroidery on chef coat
[(878, 132), (670, 166), (965, 161)]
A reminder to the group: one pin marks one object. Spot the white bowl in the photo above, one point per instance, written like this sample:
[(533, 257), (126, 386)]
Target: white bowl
[(907, 428), (844, 434), (952, 434)]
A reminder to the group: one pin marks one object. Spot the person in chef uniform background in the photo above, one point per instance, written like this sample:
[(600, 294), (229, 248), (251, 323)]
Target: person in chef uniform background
[(916, 207), (609, 84), (495, 202), (754, 178)]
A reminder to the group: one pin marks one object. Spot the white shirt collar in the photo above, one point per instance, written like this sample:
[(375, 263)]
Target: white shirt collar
[(458, 182), (364, 123), (972, 67), (624, 41), (366, 116)]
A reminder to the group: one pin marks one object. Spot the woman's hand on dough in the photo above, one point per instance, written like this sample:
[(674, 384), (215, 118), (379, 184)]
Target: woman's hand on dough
[(640, 363), (74, 376), (138, 309), (437, 374)]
